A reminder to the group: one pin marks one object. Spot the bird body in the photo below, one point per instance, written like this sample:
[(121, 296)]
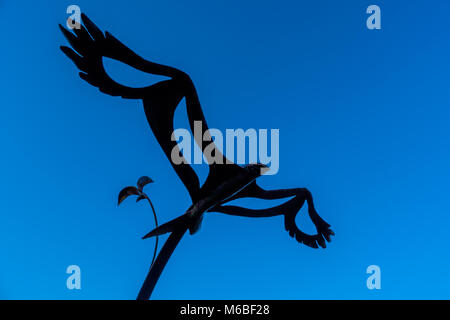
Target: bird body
[(224, 191)]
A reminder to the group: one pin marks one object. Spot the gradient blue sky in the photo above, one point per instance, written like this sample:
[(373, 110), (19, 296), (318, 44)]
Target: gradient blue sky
[(363, 118)]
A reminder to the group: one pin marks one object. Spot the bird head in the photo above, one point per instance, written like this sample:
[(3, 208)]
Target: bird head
[(256, 169)]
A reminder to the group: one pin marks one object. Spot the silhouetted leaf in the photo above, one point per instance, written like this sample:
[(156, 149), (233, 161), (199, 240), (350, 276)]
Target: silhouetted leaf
[(141, 197), (143, 181), (127, 191)]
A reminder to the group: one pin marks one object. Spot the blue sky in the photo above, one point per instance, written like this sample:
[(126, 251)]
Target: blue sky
[(363, 118)]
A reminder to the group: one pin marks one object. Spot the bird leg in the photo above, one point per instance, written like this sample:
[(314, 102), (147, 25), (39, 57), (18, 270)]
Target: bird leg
[(289, 209)]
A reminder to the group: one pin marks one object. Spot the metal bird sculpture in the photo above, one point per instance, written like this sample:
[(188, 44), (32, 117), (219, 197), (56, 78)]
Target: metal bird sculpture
[(226, 180)]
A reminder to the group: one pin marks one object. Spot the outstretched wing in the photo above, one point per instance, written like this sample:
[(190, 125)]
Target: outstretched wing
[(90, 45)]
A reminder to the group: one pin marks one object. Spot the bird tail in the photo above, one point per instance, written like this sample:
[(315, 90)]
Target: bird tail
[(171, 226), (183, 222)]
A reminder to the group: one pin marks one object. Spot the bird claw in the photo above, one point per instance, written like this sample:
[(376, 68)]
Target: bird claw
[(321, 242), (311, 243), (323, 230), (323, 235), (301, 237)]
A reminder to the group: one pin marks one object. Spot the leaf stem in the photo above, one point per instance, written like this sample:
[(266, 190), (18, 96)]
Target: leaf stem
[(156, 226)]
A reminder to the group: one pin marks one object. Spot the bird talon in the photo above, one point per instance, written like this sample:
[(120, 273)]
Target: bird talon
[(321, 241), (311, 244)]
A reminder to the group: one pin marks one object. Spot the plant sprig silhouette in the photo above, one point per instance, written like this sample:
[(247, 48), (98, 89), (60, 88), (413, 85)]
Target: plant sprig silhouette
[(226, 180), (141, 195)]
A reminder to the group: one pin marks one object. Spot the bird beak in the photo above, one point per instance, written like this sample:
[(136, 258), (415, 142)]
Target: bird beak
[(264, 169)]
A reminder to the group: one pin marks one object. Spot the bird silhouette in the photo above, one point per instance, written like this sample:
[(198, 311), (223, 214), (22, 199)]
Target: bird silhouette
[(226, 180)]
